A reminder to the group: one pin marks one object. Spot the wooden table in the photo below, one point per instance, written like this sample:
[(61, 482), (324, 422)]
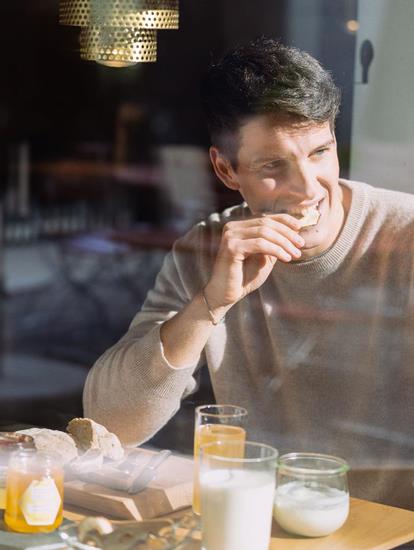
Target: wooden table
[(370, 526)]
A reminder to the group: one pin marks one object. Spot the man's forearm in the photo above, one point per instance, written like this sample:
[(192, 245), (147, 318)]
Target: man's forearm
[(131, 389), (185, 335)]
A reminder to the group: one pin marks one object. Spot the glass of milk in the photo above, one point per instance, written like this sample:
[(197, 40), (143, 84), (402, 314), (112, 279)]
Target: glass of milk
[(237, 494), (312, 497), (216, 423)]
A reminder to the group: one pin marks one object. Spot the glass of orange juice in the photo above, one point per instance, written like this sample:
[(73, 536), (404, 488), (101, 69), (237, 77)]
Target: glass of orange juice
[(214, 424)]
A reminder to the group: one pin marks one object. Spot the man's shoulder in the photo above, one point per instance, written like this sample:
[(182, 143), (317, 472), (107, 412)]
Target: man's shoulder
[(204, 236), (388, 205), (210, 228), (386, 221)]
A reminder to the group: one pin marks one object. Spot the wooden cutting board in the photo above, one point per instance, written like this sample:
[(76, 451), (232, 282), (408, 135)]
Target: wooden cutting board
[(170, 490)]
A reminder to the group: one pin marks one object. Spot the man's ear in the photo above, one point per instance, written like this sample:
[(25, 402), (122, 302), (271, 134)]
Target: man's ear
[(223, 169)]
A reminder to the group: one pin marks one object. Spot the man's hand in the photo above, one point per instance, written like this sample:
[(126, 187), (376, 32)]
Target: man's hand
[(247, 253)]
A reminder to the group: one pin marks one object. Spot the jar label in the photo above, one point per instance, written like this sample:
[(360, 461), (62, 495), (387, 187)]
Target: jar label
[(40, 502)]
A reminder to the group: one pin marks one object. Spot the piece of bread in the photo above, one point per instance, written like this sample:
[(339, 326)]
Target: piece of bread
[(55, 441), (91, 435), (310, 216)]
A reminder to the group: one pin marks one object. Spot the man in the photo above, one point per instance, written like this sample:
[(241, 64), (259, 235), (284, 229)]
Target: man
[(307, 325)]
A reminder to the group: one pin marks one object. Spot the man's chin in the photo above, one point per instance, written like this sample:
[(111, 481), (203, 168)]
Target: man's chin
[(313, 246)]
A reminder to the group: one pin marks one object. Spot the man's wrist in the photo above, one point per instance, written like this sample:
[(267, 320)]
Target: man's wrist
[(215, 313)]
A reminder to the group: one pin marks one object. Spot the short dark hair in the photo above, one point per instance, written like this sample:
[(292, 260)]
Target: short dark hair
[(265, 77)]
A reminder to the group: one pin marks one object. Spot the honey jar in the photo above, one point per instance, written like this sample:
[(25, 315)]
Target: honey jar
[(10, 442), (34, 492)]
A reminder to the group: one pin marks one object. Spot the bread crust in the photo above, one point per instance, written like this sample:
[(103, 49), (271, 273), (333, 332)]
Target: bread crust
[(88, 434)]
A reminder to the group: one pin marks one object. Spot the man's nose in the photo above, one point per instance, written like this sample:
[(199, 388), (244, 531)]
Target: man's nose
[(305, 184)]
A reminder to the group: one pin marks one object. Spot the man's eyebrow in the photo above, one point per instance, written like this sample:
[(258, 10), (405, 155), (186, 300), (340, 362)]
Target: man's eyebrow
[(324, 145), (263, 160)]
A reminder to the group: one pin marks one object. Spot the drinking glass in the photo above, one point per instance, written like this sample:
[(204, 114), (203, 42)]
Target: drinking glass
[(215, 423), (312, 497), (237, 495)]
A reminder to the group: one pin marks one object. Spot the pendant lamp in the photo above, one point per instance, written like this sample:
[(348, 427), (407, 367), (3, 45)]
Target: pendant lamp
[(140, 14), (117, 46), (119, 33)]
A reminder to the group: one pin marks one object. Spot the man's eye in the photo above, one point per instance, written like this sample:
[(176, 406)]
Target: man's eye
[(320, 152), (272, 166)]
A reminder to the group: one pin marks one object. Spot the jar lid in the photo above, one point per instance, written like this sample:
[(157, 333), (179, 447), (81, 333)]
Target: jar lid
[(12, 441), (309, 464)]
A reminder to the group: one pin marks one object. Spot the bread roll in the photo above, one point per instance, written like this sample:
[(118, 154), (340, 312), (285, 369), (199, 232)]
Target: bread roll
[(91, 435), (55, 441)]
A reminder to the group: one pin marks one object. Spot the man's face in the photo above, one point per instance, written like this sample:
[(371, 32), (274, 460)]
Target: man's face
[(285, 167)]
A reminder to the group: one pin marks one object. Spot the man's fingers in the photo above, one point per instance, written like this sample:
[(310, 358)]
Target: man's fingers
[(278, 225), (277, 237), (240, 249), (287, 219), (283, 238), (269, 219)]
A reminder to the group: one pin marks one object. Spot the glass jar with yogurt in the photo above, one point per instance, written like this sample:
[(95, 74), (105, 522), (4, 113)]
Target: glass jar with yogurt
[(312, 497)]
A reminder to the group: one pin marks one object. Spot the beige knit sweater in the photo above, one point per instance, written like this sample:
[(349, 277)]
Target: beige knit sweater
[(322, 355)]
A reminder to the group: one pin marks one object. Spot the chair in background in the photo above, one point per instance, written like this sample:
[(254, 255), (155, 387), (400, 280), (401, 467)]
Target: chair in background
[(187, 183)]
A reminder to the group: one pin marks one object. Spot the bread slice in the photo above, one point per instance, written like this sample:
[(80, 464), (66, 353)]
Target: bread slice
[(91, 435), (310, 216), (55, 441)]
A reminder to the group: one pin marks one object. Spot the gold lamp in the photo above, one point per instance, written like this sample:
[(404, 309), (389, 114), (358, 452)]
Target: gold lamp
[(75, 12), (118, 47), (138, 14), (119, 33)]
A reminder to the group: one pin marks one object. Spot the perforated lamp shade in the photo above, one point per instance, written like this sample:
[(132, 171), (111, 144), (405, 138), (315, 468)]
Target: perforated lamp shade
[(118, 47), (75, 12), (131, 14)]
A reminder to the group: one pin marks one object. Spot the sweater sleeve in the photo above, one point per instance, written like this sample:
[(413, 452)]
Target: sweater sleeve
[(132, 389)]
